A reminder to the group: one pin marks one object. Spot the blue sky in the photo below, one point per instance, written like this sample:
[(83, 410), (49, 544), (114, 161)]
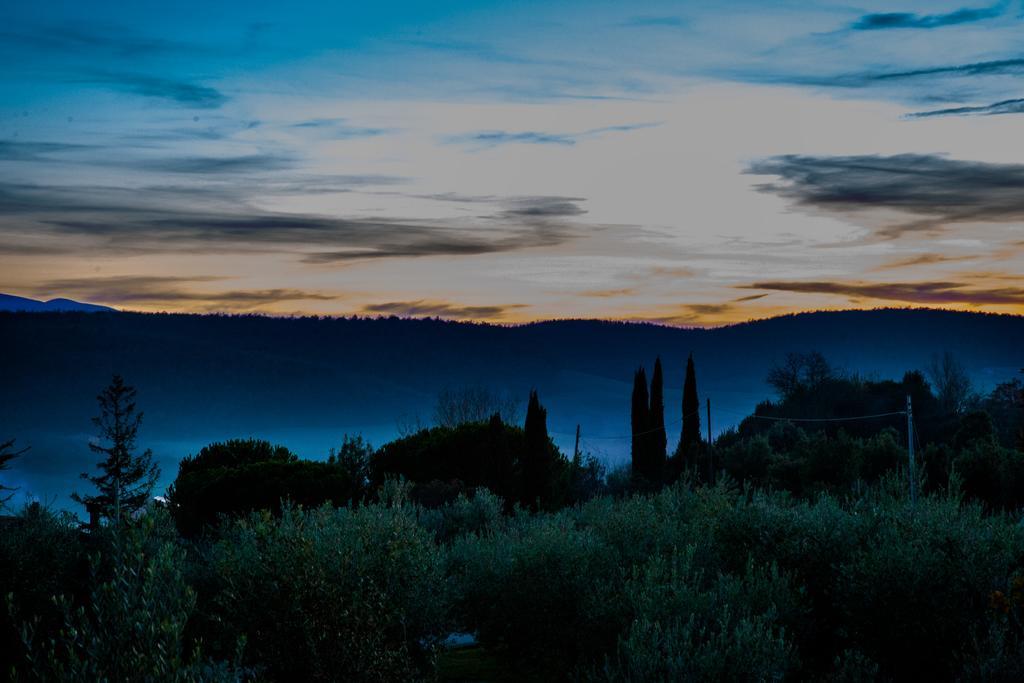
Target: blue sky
[(684, 162)]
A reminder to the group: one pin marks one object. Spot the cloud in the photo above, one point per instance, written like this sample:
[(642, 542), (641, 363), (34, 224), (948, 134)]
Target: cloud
[(339, 129), (180, 92), (608, 293), (654, 21), (78, 38), (16, 150), (492, 138), (935, 293), (252, 163), (988, 68), (898, 20), (934, 190), (752, 297), (439, 309), (1015, 106), (174, 291), (923, 260), (111, 220), (542, 207)]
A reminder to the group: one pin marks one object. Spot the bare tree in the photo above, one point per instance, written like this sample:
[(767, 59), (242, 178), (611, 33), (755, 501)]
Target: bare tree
[(800, 371), (474, 404), (7, 453), (951, 383)]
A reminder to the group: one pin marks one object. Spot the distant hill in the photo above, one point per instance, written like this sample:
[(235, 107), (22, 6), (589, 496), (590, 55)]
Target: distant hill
[(9, 302), (307, 381)]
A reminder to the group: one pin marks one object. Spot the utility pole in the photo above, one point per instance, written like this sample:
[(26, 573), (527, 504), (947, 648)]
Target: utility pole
[(711, 468), (576, 448), (910, 452)]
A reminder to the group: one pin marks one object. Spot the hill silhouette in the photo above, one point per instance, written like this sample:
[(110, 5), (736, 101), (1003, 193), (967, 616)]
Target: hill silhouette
[(304, 382), (9, 302)]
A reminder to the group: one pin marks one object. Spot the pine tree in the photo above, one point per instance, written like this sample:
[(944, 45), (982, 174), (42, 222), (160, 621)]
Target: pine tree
[(658, 443), (641, 424), (689, 439), (537, 470), (127, 480)]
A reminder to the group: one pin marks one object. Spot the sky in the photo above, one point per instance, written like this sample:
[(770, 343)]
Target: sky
[(691, 163)]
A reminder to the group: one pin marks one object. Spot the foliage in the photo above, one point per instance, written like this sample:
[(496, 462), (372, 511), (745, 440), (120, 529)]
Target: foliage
[(687, 626), (198, 499), (234, 453), (443, 462), (41, 555), (330, 594), (354, 456), (132, 626)]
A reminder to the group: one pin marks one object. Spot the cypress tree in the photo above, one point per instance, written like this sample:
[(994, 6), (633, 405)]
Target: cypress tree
[(640, 423), (690, 437), (127, 479), (536, 458), (658, 442)]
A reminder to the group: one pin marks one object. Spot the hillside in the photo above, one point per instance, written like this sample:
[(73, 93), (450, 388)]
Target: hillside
[(307, 381)]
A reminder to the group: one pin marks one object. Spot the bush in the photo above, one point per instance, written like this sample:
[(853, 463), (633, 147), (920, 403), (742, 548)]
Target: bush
[(479, 514), (132, 626), (41, 555), (687, 626), (331, 594), (538, 591)]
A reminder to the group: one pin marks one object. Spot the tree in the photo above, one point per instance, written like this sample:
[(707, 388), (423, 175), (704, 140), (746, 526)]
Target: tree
[(689, 439), (537, 472), (800, 372), (658, 443), (951, 382), (354, 457), (7, 453), (127, 479), (640, 422), (473, 404)]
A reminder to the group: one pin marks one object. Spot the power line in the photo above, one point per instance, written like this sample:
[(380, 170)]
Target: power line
[(816, 419), (643, 433)]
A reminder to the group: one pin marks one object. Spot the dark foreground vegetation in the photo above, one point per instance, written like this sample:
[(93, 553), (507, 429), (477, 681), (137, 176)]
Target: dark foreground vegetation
[(786, 550)]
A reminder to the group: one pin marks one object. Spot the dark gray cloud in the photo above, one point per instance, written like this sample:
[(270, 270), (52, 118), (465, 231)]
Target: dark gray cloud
[(493, 138), (542, 207), (69, 220), (924, 260), (932, 190), (185, 93), (907, 292), (439, 309), (897, 20), (251, 163), (1015, 106), (173, 290)]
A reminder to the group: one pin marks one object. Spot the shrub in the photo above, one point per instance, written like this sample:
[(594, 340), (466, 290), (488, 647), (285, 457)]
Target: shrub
[(41, 556), (480, 513), (132, 626), (539, 591), (687, 626), (331, 594)]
